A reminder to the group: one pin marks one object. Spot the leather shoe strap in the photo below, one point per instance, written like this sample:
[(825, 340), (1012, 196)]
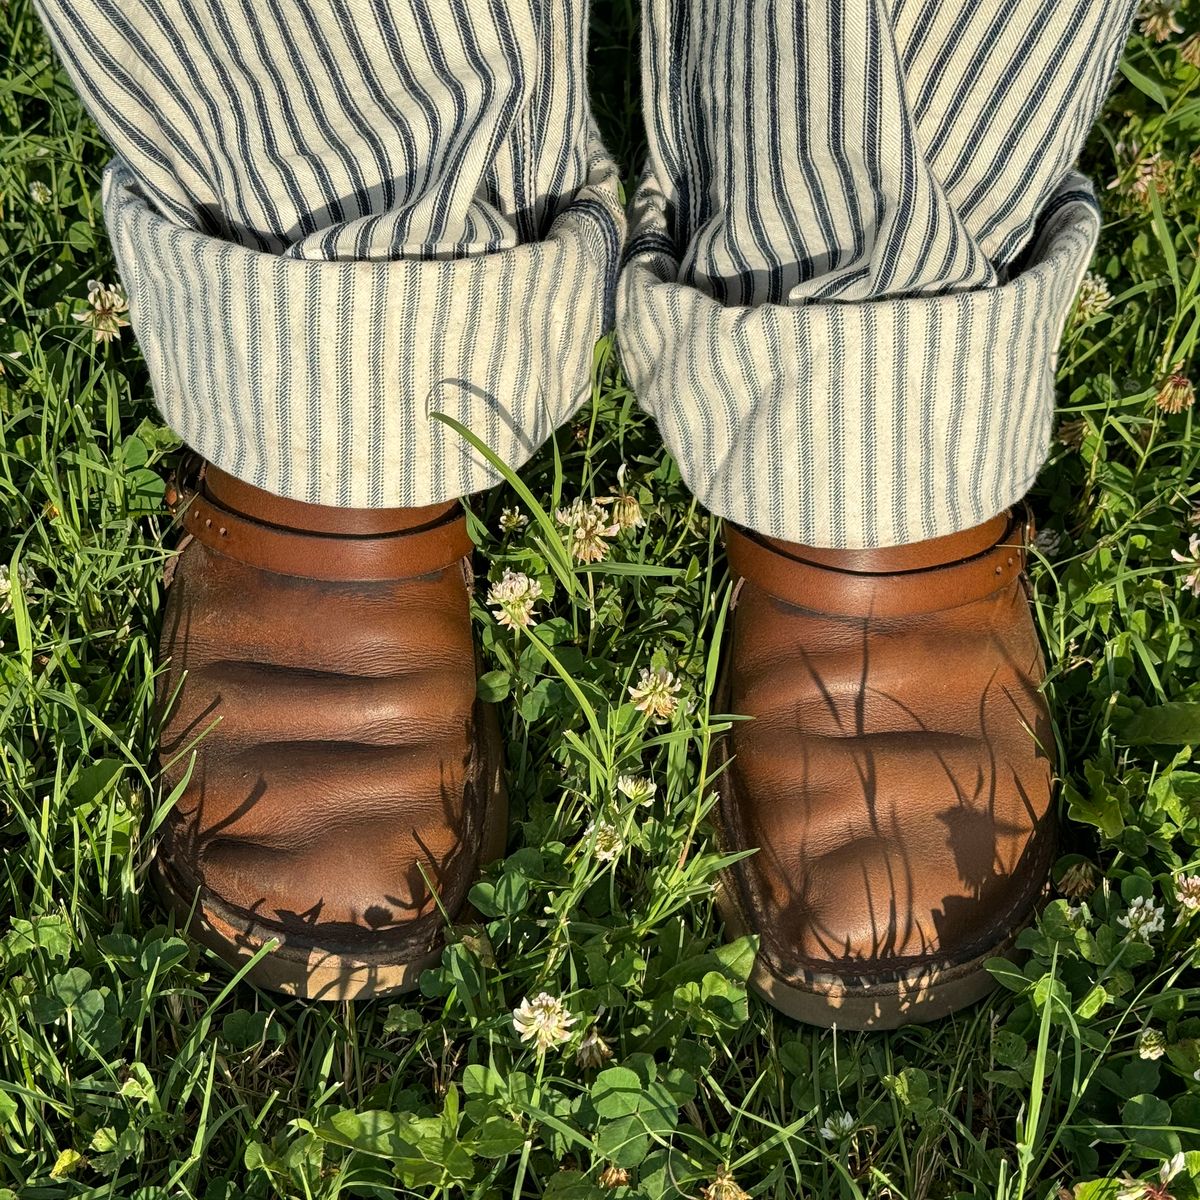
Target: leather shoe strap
[(407, 552), (858, 587)]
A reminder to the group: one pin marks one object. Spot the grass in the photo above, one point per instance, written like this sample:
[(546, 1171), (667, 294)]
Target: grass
[(132, 1065)]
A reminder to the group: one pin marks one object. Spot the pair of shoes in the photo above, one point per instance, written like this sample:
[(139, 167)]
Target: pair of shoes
[(338, 784)]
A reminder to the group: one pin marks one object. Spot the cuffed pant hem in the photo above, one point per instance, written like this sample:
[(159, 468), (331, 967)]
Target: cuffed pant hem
[(855, 425), (318, 380)]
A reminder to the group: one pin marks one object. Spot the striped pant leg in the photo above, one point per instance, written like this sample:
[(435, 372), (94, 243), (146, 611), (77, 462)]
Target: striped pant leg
[(856, 243), (334, 220)]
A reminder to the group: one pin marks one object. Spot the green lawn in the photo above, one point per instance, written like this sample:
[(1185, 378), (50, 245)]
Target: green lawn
[(131, 1065)]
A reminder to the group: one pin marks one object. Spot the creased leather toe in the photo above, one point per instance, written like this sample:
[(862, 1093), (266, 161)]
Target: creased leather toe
[(319, 665), (896, 774)]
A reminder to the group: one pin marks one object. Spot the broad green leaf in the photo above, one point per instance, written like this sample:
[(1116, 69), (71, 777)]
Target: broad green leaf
[(67, 1163), (402, 1018), (617, 1092), (1148, 1119), (1097, 1189), (1176, 724), (1007, 975), (494, 686), (51, 935), (737, 957), (1092, 1003), (623, 1142), (1009, 1049), (497, 1137), (571, 1185)]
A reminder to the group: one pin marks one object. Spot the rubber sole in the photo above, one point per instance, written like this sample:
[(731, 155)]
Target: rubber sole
[(296, 969), (924, 994), (306, 969), (916, 1000)]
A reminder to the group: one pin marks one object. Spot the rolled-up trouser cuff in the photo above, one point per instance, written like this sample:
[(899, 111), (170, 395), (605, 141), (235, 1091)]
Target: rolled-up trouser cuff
[(316, 380), (855, 425)]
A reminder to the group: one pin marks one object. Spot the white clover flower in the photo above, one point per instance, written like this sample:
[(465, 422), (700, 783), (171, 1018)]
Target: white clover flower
[(1078, 881), (724, 1187), (1151, 173), (838, 1127), (656, 693), (1172, 1167), (1079, 916), (613, 1177), (1187, 895), (1191, 559), (512, 520), (514, 599), (1093, 298), (1150, 1044), (1159, 19), (39, 192), (1177, 393), (1136, 1189), (593, 1051), (637, 788), (544, 1020), (1143, 920), (588, 525), (103, 314), (627, 509), (608, 842)]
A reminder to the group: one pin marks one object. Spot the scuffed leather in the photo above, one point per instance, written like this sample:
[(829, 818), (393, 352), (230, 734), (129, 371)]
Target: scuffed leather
[(896, 777)]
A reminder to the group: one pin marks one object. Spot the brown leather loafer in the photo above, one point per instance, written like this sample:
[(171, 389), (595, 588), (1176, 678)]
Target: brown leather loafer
[(896, 775), (319, 664)]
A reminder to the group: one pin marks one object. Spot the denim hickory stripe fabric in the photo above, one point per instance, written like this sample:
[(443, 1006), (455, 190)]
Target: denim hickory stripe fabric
[(856, 241), (334, 219), (856, 244)]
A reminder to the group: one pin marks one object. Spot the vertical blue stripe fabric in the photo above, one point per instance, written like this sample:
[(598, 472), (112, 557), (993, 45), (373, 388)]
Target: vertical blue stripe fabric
[(854, 248), (856, 241), (334, 220)]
